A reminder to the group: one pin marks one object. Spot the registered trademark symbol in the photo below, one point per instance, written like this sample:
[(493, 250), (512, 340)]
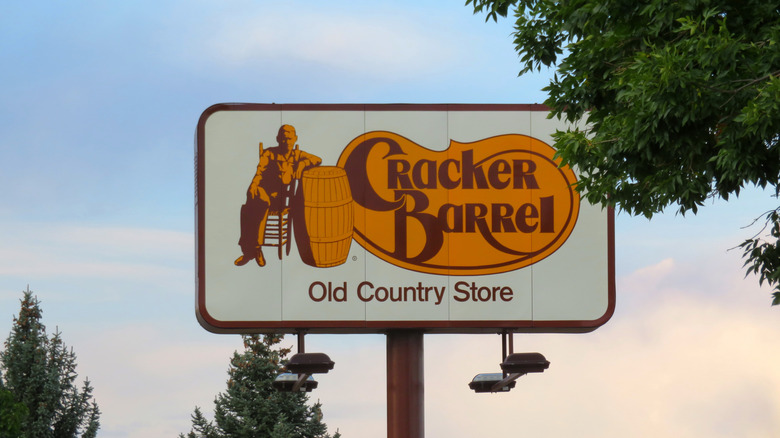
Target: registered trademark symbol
[(354, 258)]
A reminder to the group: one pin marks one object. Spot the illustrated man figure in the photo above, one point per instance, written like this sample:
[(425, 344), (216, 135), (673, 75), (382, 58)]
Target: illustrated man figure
[(277, 167)]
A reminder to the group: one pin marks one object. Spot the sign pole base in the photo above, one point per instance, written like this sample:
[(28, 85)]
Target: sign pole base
[(405, 384)]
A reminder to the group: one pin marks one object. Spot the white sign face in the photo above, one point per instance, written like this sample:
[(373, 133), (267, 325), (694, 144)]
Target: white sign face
[(363, 218)]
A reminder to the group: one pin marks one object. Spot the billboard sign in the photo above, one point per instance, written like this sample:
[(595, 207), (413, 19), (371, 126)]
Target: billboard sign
[(363, 218)]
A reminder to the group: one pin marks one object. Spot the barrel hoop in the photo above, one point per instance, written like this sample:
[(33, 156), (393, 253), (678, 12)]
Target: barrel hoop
[(336, 203), (330, 239), (324, 176)]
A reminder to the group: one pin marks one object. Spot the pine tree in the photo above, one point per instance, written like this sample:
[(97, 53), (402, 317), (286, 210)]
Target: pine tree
[(40, 372), (251, 407)]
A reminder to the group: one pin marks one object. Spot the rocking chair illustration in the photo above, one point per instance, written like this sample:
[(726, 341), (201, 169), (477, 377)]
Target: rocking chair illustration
[(278, 228)]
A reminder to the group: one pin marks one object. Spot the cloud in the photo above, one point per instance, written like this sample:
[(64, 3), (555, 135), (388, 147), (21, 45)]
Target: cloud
[(392, 47), (684, 367), (672, 362), (691, 351), (149, 378), (669, 363), (45, 250)]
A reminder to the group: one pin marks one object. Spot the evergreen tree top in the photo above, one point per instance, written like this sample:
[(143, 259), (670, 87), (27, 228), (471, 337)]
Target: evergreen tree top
[(251, 407), (40, 372)]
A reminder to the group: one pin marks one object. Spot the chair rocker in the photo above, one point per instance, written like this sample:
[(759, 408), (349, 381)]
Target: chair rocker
[(278, 227)]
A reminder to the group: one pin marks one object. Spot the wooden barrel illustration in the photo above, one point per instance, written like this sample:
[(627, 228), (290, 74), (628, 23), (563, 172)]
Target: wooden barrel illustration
[(329, 217)]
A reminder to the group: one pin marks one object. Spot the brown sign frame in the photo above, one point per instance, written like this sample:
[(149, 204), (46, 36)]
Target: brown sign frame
[(213, 324)]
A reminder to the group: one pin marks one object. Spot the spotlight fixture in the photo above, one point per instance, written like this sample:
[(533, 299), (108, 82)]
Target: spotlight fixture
[(525, 363), (310, 363), (486, 381), (514, 366), (290, 382)]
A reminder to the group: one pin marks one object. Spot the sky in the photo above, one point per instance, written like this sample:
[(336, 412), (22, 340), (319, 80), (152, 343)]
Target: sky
[(98, 107)]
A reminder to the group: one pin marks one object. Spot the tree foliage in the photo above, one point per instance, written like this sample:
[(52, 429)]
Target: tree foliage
[(251, 407), (12, 414), (40, 372), (682, 100)]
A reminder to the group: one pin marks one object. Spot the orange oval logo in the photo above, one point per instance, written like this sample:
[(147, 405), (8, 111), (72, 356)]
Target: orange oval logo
[(491, 206)]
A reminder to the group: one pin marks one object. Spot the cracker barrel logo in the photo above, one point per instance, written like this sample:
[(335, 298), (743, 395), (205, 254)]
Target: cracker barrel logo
[(490, 206)]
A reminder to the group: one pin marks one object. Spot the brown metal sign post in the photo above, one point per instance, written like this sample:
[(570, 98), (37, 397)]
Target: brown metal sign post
[(405, 384)]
